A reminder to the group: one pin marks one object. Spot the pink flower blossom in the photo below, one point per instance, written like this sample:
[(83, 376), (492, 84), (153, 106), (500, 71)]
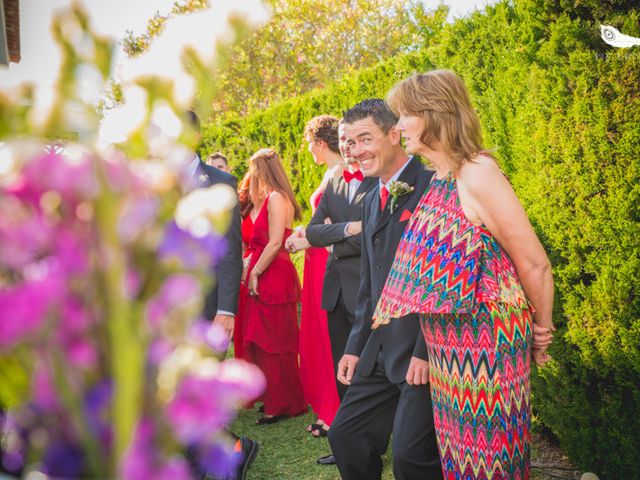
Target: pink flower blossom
[(200, 406), (75, 179), (24, 308)]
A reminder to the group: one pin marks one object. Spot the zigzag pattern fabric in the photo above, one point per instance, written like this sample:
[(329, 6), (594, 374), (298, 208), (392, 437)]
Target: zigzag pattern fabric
[(479, 374), (446, 264), (477, 324)]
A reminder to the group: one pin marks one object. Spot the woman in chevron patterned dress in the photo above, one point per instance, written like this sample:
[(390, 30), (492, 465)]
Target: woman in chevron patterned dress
[(470, 263)]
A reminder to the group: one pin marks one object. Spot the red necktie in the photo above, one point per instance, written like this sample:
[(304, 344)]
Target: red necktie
[(384, 195), (348, 176)]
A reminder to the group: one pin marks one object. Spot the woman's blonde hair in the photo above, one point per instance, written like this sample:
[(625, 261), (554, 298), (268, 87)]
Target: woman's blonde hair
[(266, 170), (441, 99)]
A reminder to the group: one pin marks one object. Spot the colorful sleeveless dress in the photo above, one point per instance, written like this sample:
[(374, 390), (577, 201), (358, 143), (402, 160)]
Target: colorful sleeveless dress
[(477, 324)]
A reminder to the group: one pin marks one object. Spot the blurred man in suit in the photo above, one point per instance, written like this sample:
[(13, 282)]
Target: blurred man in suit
[(222, 301)]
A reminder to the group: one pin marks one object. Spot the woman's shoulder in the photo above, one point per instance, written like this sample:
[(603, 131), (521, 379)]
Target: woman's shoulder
[(278, 200), (480, 173)]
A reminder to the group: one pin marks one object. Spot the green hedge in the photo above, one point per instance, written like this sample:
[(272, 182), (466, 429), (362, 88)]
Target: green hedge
[(562, 110)]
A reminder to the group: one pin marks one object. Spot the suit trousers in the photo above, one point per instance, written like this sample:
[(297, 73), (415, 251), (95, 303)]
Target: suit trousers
[(340, 323), (372, 409)]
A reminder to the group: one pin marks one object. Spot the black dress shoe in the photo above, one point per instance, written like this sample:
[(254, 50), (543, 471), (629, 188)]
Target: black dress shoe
[(269, 420), (249, 451), (327, 460)]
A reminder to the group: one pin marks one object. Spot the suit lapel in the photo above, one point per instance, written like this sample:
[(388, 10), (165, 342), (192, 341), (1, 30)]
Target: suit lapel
[(362, 190), (407, 176)]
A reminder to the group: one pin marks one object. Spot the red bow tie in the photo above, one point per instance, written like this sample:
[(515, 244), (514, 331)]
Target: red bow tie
[(348, 176)]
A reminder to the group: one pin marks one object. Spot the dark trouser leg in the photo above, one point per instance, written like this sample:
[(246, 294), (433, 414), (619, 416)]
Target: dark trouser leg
[(415, 449), (340, 322), (359, 434)]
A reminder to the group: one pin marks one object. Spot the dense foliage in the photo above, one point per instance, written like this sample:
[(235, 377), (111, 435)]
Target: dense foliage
[(306, 44), (562, 110)]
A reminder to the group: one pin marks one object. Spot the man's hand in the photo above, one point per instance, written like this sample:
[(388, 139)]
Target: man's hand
[(354, 228), (226, 322), (418, 372), (346, 368), (542, 336)]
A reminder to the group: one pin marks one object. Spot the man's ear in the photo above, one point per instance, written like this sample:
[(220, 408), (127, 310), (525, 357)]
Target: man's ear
[(394, 135)]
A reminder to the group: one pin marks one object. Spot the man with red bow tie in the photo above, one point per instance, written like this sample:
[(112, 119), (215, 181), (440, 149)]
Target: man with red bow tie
[(336, 225)]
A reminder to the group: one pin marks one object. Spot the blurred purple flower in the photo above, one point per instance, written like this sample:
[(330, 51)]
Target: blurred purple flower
[(143, 461), (211, 334), (70, 251), (24, 234), (200, 406), (132, 283), (159, 350), (43, 392), (63, 459), (190, 251), (12, 461), (98, 406), (218, 459), (176, 468), (137, 215), (81, 353), (245, 380), (176, 291), (139, 460)]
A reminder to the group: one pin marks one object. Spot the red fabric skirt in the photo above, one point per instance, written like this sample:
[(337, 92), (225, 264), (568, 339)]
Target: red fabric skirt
[(316, 362)]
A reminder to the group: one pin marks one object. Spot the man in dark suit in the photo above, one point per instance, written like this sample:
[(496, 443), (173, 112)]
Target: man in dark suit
[(221, 302), (332, 226), (387, 368), (335, 225)]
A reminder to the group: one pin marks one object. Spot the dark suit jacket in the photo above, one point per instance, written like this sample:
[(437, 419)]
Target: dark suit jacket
[(402, 338), (343, 264), (224, 295)]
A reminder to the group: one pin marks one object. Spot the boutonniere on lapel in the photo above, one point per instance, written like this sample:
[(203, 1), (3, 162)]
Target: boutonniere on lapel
[(396, 190), (202, 179)]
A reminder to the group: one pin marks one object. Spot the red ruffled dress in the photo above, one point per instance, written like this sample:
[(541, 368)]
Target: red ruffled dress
[(271, 329), (238, 330), (316, 362)]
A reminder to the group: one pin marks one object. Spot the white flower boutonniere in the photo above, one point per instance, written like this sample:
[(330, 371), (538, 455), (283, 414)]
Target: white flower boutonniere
[(396, 190), (202, 178)]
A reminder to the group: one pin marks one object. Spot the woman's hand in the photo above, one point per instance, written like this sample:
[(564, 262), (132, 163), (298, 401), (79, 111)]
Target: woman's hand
[(245, 268), (296, 244), (542, 338), (253, 283)]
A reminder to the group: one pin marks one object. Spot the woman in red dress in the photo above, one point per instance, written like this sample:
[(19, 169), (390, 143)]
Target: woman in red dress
[(248, 213), (271, 330), (316, 362)]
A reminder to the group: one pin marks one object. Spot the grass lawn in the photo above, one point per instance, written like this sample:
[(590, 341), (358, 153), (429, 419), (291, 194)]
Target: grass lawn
[(288, 452)]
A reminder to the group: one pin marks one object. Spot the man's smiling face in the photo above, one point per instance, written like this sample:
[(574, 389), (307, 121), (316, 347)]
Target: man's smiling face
[(371, 148)]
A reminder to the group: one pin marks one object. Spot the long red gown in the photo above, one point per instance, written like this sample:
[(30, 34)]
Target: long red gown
[(271, 330), (316, 362), (243, 294)]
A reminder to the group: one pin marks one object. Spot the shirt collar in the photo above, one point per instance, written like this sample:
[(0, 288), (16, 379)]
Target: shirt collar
[(395, 175)]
